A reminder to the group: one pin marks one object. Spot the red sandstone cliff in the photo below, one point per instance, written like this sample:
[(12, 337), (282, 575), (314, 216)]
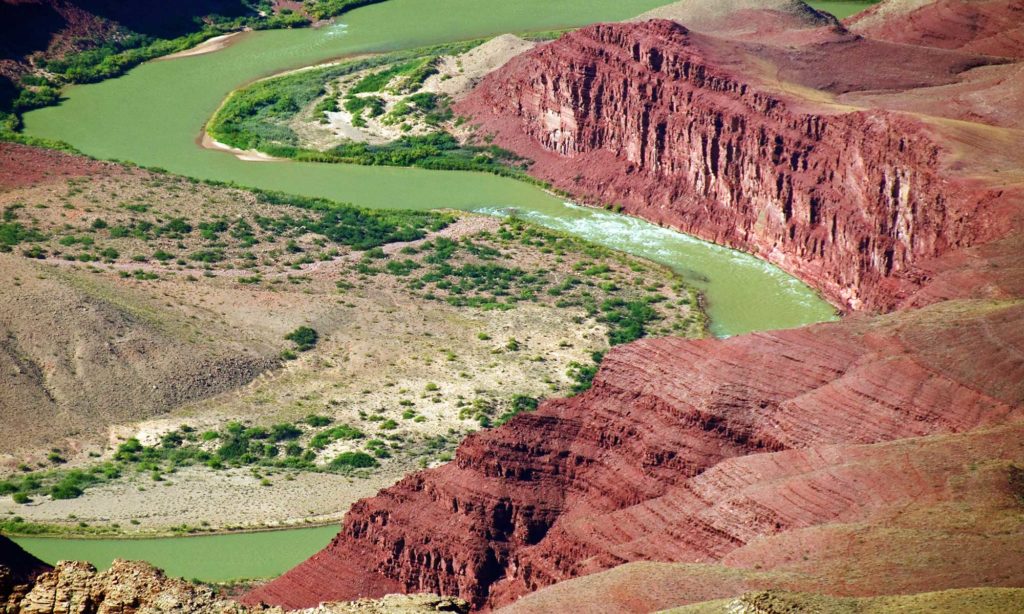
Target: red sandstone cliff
[(638, 469), (765, 451), (664, 122)]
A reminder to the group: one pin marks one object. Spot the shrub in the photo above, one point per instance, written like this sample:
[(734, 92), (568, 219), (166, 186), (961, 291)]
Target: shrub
[(208, 256), (520, 403), (317, 421), (65, 489), (129, 450), (21, 498), (583, 375), (353, 460), (282, 432), (342, 431), (304, 337)]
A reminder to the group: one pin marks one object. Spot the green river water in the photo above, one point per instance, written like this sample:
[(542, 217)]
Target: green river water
[(154, 115)]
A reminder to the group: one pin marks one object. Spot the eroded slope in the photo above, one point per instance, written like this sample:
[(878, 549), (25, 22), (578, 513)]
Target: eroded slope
[(638, 469)]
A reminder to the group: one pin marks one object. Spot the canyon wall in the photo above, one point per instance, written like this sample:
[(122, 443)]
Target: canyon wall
[(768, 452), (677, 453), (662, 121)]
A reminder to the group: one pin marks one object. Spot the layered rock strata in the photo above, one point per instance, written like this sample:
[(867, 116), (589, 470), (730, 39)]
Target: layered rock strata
[(674, 127), (639, 467)]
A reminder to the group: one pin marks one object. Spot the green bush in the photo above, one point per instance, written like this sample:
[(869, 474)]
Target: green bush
[(66, 490), (342, 431), (12, 232), (282, 432), (520, 403), (583, 374), (208, 256), (304, 337), (353, 460), (317, 421)]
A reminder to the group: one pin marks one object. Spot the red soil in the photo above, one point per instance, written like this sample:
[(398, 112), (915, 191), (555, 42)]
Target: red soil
[(994, 27), (22, 166)]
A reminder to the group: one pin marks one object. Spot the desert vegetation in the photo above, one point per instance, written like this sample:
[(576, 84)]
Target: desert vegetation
[(394, 335), (274, 116)]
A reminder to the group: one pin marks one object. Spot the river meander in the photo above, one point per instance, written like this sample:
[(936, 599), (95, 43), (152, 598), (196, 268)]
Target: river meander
[(154, 115)]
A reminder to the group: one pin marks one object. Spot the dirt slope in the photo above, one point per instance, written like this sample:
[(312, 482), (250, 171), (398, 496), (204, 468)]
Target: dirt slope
[(994, 27), (86, 354)]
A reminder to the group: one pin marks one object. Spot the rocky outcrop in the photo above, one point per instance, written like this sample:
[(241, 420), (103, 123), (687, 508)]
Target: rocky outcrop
[(139, 588), (77, 588), (18, 570), (671, 125)]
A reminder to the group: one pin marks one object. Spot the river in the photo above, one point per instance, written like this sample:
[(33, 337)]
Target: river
[(154, 115)]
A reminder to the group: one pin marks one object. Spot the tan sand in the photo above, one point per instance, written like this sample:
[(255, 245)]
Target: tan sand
[(208, 46)]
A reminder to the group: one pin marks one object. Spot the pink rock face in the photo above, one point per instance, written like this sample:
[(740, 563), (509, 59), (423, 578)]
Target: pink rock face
[(635, 469), (659, 119)]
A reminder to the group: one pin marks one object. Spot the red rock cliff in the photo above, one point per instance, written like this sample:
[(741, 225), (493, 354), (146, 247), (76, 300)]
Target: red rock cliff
[(660, 120), (617, 474)]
